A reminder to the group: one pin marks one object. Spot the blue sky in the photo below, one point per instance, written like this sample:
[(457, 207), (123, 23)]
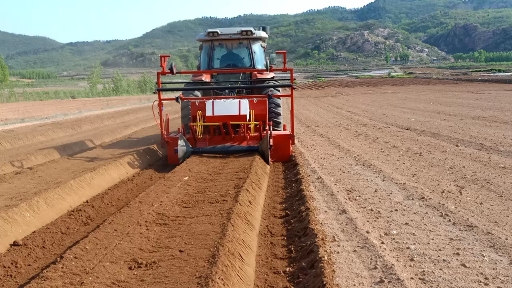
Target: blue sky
[(81, 20)]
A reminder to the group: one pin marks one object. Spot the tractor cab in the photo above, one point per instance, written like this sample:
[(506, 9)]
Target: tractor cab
[(233, 48)]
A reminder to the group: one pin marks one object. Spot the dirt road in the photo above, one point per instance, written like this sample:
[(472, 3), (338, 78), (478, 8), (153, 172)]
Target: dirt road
[(412, 183)]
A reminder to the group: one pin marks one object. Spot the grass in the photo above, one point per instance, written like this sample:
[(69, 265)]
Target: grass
[(365, 77), (63, 88), (11, 95), (43, 83)]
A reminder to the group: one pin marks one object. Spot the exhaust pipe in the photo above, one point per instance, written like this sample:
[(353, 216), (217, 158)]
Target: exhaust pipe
[(265, 29)]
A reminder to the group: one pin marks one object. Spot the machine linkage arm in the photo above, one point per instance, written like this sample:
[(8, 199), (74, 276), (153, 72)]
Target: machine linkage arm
[(228, 81), (234, 87)]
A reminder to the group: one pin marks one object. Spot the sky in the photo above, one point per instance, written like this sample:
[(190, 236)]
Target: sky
[(81, 20)]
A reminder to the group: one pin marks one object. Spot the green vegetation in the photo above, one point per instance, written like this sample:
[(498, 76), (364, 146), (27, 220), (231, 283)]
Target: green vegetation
[(316, 58), (4, 72), (327, 37), (403, 55), (94, 79), (34, 74), (15, 43), (118, 85), (442, 21), (482, 56), (365, 77), (476, 32), (475, 66), (398, 11)]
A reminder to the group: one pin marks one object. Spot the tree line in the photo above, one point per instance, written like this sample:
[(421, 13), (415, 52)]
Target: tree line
[(403, 55), (118, 85), (482, 56), (34, 74)]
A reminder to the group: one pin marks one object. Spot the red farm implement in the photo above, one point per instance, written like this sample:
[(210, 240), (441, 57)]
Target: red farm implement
[(232, 103)]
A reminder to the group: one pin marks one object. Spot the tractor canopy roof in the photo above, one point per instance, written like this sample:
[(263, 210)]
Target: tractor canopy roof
[(232, 33)]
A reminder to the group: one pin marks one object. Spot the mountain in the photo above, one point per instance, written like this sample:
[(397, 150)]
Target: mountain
[(472, 37), (332, 34), (14, 43), (442, 21), (65, 56), (396, 11)]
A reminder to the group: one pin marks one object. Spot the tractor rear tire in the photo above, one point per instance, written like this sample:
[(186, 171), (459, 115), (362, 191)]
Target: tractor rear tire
[(185, 105), (274, 107)]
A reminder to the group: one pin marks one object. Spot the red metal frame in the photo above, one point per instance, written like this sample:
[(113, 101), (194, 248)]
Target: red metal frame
[(249, 132)]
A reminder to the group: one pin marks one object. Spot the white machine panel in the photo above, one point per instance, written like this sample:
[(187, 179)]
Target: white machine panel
[(227, 107)]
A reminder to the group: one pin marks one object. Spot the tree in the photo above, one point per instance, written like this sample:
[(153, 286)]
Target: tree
[(4, 71), (119, 84), (405, 56), (94, 78), (145, 84), (480, 56), (388, 57)]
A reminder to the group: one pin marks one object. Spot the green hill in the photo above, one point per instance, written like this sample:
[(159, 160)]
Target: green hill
[(65, 56), (472, 37), (396, 11), (13, 43), (329, 35)]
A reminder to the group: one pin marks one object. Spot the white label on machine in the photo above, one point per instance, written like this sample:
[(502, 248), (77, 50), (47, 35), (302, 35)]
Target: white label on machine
[(227, 107)]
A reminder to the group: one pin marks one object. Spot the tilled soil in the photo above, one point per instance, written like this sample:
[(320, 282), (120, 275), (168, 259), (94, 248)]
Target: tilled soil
[(394, 183), (184, 220), (412, 183), (377, 82), (288, 249), (167, 236), (20, 264), (47, 169), (26, 147), (28, 112), (169, 231)]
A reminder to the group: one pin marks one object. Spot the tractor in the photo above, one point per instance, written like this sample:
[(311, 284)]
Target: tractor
[(233, 101)]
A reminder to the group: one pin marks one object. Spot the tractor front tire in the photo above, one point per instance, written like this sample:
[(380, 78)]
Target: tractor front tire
[(186, 114), (274, 107)]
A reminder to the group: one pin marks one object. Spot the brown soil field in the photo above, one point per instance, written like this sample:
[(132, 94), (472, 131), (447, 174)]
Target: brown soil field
[(21, 113), (97, 188), (48, 168), (394, 183), (412, 183)]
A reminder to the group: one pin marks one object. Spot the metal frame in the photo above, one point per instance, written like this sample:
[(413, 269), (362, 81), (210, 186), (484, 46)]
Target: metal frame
[(252, 135)]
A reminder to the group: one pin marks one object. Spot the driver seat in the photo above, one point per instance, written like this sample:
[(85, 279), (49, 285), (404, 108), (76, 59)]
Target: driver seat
[(231, 58)]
